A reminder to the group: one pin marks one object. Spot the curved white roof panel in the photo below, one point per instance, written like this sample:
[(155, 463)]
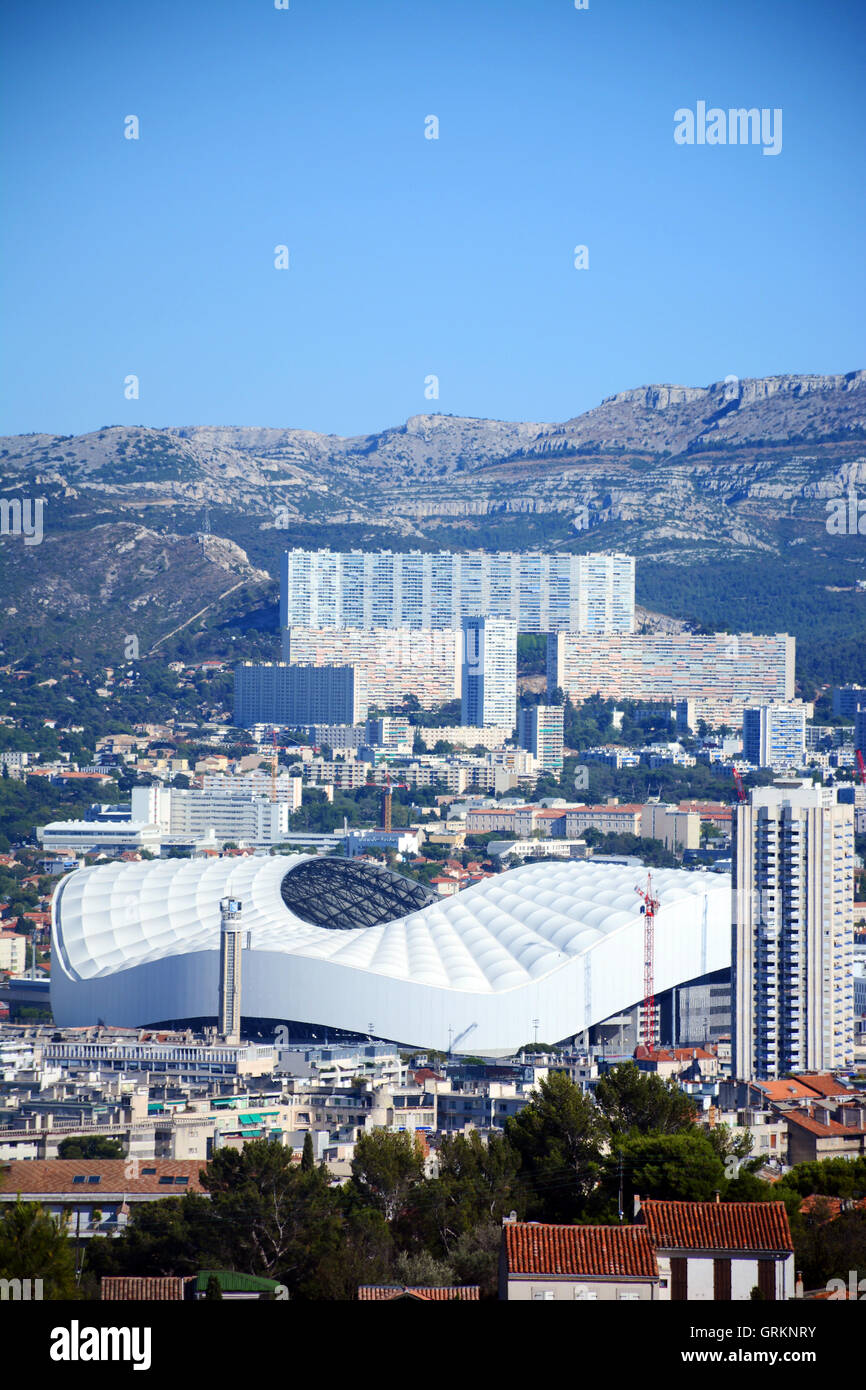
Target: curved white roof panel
[(559, 941)]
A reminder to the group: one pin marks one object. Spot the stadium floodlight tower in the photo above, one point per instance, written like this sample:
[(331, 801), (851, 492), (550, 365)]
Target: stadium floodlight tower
[(230, 969)]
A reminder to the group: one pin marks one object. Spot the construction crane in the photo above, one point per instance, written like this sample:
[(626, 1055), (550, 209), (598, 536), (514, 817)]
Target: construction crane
[(649, 1003), (741, 790), (862, 766), (386, 801)]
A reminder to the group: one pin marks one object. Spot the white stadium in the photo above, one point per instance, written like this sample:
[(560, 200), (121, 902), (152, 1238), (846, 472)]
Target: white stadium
[(549, 949)]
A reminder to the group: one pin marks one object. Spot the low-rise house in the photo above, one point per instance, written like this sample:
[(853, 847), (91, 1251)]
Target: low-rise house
[(820, 1131), (95, 1196), (584, 1263), (720, 1251)]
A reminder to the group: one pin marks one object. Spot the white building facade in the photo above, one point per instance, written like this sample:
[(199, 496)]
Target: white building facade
[(540, 592), (489, 684), (793, 932)]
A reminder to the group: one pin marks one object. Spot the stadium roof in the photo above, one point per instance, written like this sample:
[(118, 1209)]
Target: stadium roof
[(367, 951)]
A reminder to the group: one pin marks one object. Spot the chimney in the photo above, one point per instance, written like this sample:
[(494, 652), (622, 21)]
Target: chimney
[(718, 1196), (798, 1287), (636, 1207)]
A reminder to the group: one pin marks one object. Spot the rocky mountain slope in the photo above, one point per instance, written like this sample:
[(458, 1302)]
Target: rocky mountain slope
[(682, 476)]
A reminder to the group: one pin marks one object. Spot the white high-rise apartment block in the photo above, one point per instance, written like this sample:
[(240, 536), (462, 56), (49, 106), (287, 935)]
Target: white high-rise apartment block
[(540, 731), (775, 735), (186, 817), (489, 694), (793, 932), (386, 589)]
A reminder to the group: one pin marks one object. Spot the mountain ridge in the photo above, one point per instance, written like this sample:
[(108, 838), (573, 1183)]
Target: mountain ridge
[(738, 472)]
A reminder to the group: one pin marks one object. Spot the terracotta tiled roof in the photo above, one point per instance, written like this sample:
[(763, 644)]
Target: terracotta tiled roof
[(36, 1176), (829, 1130), (830, 1206), (823, 1084), (784, 1090), (717, 1225), (384, 1293), (140, 1288), (622, 1252)]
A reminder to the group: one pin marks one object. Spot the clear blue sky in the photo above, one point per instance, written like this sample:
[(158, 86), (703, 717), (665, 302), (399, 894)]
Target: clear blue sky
[(412, 256)]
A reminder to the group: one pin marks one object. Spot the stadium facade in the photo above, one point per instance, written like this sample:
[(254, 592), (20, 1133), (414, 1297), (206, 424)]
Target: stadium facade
[(547, 949)]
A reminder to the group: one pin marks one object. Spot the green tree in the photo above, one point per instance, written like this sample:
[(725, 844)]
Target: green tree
[(174, 1236), (33, 1246), (272, 1219), (89, 1146), (214, 1289), (669, 1167), (385, 1169), (422, 1270), (635, 1101), (475, 1257), (558, 1138), (308, 1158)]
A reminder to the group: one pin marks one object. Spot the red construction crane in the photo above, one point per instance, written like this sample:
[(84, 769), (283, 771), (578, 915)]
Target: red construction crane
[(862, 767), (741, 790), (649, 1003)]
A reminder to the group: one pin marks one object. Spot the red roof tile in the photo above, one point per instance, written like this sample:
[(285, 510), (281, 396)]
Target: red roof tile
[(35, 1176), (140, 1288), (823, 1084), (622, 1252), (829, 1130), (717, 1225), (384, 1293), (789, 1089)]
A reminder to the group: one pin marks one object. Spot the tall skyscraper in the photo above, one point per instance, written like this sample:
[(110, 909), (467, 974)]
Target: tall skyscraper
[(387, 589), (540, 732), (489, 693), (230, 969), (793, 932), (775, 735)]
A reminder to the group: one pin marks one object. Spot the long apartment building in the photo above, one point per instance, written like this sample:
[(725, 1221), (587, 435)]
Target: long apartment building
[(385, 589), (793, 932), (720, 673), (185, 817), (387, 664)]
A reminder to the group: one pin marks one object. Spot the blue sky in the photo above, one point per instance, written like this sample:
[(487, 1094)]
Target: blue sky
[(408, 256)]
